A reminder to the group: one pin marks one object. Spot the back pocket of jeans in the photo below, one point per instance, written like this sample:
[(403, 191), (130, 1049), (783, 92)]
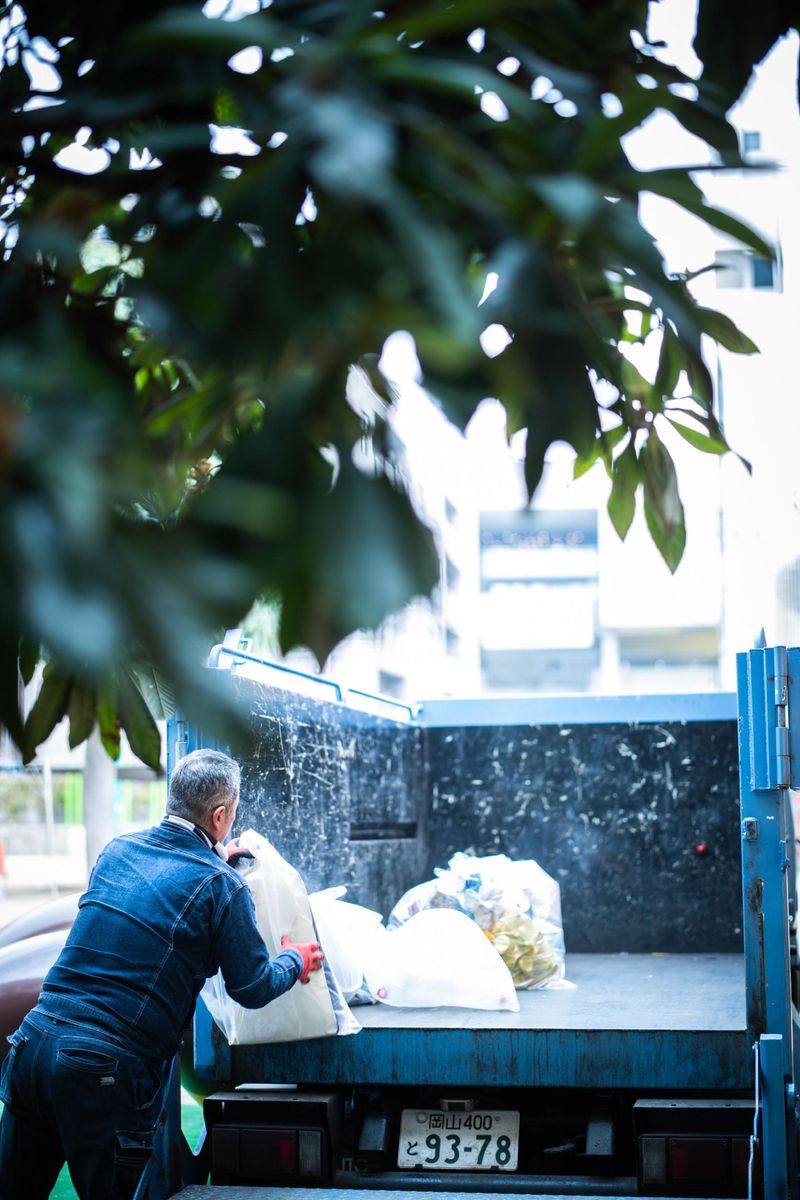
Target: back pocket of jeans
[(87, 1061)]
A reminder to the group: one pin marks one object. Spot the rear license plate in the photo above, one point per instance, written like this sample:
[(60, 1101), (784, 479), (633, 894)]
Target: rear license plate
[(433, 1140)]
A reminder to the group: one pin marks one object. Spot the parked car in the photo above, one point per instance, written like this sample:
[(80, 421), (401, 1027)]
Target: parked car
[(29, 945)]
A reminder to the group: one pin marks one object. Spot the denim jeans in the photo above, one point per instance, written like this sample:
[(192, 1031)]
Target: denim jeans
[(72, 1096)]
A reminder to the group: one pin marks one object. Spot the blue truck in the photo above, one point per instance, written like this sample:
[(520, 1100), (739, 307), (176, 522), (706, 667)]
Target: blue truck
[(668, 1071)]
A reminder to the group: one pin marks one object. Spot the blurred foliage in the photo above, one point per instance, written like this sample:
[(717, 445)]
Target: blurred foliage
[(20, 797), (733, 38), (208, 220), (260, 629)]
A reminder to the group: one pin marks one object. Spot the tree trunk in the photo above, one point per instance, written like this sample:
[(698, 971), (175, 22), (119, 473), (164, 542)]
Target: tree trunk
[(99, 777)]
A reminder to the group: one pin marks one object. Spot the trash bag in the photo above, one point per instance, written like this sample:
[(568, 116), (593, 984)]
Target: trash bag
[(346, 932), (346, 1022), (439, 958), (317, 1009), (516, 904)]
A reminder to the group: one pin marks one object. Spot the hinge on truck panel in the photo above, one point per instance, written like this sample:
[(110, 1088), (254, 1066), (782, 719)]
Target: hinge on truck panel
[(180, 739), (793, 712), (768, 700), (780, 669)]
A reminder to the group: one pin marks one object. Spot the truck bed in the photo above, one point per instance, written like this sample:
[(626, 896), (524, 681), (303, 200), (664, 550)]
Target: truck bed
[(634, 1020)]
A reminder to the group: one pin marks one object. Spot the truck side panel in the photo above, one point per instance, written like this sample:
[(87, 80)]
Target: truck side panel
[(637, 820), (639, 824)]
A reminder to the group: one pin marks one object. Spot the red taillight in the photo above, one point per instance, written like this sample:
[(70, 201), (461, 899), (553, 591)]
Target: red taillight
[(698, 1159), (287, 1147), (678, 1161)]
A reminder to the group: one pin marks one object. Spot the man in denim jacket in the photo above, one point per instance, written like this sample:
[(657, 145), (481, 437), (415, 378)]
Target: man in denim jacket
[(84, 1079)]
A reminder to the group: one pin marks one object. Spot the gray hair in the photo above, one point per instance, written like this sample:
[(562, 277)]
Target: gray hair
[(200, 782)]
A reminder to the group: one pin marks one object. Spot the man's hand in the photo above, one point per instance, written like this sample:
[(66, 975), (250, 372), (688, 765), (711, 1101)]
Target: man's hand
[(310, 953), (235, 852)]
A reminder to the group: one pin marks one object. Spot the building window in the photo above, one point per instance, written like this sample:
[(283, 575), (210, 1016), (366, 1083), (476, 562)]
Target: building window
[(763, 273), (743, 269), (751, 141), (450, 511), (731, 269)]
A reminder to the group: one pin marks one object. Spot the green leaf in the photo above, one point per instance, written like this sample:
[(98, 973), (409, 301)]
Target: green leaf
[(358, 552), (189, 27), (706, 121), (670, 365), (722, 329), (158, 694), (81, 710), (700, 381), (454, 76), (29, 655), (636, 386), (663, 509), (458, 398), (571, 197), (731, 39), (679, 186), (700, 441), (10, 718), (713, 432), (602, 448), (624, 482), (137, 721), (600, 144), (48, 709), (538, 438), (108, 716), (437, 260)]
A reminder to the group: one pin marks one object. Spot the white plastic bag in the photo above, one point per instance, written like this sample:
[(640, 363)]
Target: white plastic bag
[(345, 1020), (439, 958), (346, 932), (305, 1011), (515, 902)]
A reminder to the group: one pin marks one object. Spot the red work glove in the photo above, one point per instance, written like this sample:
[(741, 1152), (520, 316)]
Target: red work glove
[(310, 953)]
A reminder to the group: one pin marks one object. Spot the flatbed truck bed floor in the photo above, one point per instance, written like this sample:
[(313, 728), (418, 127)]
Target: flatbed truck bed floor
[(613, 991), (650, 1021)]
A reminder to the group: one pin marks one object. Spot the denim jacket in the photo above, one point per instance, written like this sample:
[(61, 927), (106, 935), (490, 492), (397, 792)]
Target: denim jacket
[(161, 914)]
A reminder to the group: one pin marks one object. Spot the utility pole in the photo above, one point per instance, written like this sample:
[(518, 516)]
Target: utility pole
[(99, 780)]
